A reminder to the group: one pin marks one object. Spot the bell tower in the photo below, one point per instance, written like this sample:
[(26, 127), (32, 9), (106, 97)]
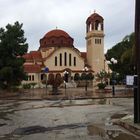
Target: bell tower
[(95, 42)]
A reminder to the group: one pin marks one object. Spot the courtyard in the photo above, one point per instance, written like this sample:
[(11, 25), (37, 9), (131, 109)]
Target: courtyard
[(69, 119)]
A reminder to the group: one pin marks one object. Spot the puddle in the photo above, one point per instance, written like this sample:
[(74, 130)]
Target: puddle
[(29, 130), (94, 101), (111, 134), (2, 124), (4, 115), (41, 129), (8, 109), (82, 102), (94, 130), (118, 116)]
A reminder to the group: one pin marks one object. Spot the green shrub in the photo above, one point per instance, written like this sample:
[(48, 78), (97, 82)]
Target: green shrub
[(26, 86), (33, 85), (101, 85)]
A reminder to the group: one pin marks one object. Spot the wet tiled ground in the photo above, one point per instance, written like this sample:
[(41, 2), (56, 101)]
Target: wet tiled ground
[(64, 119)]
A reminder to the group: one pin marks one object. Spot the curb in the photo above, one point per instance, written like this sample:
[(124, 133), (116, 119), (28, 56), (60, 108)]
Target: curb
[(135, 130)]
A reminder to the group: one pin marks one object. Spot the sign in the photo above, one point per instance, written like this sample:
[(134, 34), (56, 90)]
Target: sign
[(46, 70), (130, 80)]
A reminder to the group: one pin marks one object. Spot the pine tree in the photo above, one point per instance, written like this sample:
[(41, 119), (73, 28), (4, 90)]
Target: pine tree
[(12, 46)]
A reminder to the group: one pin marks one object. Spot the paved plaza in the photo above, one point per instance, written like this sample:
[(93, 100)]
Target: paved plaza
[(86, 119)]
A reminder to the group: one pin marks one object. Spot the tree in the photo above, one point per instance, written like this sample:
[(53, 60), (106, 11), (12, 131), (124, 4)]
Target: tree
[(76, 77), (123, 52), (50, 79), (102, 76), (58, 80), (12, 46)]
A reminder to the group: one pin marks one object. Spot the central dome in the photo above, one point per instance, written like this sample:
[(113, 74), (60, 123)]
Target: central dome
[(56, 33), (56, 38)]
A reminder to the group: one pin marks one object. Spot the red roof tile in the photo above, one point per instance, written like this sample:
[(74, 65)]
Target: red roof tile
[(36, 54), (27, 56), (57, 33), (84, 55), (32, 68), (33, 55)]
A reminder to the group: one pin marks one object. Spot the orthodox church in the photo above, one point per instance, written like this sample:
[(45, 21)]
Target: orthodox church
[(57, 54)]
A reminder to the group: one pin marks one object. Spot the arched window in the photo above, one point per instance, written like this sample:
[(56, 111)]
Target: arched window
[(74, 61), (60, 59), (43, 76), (32, 77), (90, 27), (70, 59), (100, 41), (65, 59), (99, 27), (29, 78), (55, 60)]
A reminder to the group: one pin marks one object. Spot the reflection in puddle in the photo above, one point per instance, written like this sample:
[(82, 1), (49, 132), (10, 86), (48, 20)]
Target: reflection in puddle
[(118, 116), (87, 101), (2, 124), (95, 130), (41, 129), (7, 109)]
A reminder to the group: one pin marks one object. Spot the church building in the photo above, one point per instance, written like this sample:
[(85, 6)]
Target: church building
[(57, 54)]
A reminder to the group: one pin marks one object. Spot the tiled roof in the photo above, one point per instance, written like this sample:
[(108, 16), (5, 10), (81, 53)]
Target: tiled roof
[(57, 33), (33, 55), (32, 68), (94, 16), (27, 56), (84, 55), (36, 54)]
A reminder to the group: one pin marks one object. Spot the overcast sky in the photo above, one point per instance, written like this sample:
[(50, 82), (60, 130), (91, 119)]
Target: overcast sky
[(40, 16)]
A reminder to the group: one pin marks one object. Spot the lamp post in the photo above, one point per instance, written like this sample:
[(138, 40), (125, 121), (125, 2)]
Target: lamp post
[(113, 61), (137, 64), (46, 70), (65, 79), (85, 70), (108, 63)]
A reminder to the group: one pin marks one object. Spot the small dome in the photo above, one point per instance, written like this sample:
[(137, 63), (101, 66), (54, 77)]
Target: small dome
[(56, 33), (94, 17), (56, 38)]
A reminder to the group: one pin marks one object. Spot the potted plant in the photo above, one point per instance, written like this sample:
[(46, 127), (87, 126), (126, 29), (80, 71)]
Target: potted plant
[(102, 77)]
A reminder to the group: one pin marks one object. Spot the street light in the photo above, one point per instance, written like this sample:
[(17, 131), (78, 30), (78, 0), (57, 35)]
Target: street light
[(65, 79), (85, 70), (137, 64), (113, 61)]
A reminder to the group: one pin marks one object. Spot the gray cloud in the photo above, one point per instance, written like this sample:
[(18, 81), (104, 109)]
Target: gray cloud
[(39, 17)]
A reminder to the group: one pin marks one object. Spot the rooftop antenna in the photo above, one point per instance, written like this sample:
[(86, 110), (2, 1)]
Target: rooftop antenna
[(94, 11)]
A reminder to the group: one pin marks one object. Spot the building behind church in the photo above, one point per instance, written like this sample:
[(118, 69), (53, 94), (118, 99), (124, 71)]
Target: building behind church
[(57, 54)]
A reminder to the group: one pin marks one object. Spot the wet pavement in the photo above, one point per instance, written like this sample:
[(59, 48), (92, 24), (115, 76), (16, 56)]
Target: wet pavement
[(65, 119), (69, 93)]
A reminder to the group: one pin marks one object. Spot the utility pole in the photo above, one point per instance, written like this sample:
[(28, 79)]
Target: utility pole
[(137, 64)]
